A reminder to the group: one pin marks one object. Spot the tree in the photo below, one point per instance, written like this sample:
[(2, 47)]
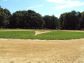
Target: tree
[(30, 19), (26, 19), (1, 17), (4, 17), (70, 20), (82, 21), (34, 20), (51, 22)]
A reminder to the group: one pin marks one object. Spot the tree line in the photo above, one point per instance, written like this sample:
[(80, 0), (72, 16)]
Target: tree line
[(29, 19)]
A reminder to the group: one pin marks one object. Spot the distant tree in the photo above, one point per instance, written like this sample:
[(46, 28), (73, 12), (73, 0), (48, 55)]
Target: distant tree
[(26, 19), (51, 22), (1, 17), (30, 19), (13, 21), (4, 17), (82, 21), (70, 20), (35, 20)]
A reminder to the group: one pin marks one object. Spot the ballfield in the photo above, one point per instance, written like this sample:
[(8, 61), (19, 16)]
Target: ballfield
[(41, 46), (41, 34)]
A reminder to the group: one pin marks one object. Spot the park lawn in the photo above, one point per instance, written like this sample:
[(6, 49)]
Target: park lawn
[(17, 34), (61, 35), (52, 35)]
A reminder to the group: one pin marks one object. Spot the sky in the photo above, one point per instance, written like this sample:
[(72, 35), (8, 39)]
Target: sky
[(44, 7)]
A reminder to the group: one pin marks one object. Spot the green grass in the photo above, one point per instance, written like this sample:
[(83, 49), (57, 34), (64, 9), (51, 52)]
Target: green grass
[(17, 34), (61, 35), (30, 34)]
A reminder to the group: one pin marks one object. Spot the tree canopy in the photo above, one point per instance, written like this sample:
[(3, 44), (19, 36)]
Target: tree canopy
[(29, 19)]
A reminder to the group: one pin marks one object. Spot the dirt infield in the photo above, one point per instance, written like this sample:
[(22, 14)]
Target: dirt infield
[(41, 51)]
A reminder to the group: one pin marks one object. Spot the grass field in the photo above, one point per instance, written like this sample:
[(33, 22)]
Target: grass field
[(20, 48), (51, 35)]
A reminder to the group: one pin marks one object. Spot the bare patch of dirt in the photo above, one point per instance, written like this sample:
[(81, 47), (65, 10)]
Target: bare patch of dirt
[(41, 51), (40, 32), (73, 30)]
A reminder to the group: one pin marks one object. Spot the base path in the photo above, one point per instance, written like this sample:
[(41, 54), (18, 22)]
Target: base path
[(41, 32), (41, 51)]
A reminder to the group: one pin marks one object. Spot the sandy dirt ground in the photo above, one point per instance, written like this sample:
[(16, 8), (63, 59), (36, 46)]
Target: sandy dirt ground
[(41, 51), (41, 32)]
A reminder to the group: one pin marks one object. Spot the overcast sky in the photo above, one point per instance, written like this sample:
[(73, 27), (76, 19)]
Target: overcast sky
[(44, 7)]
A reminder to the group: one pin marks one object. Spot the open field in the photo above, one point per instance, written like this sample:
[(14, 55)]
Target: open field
[(41, 34), (17, 46), (41, 51)]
